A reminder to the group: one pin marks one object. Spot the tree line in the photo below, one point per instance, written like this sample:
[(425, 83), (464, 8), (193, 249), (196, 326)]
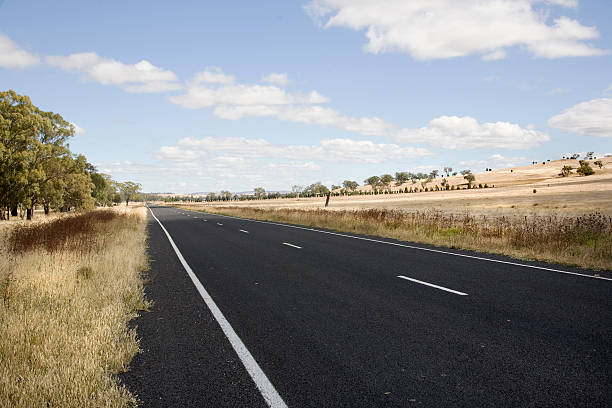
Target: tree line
[(37, 167)]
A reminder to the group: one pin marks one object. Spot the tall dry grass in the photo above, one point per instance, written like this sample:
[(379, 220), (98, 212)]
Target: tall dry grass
[(68, 287), (584, 241)]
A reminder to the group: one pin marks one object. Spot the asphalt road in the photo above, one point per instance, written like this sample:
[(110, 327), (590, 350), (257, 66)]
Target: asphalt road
[(331, 323)]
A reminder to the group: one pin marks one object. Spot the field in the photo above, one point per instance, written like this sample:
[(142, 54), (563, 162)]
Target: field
[(512, 195), (567, 220), (68, 286)]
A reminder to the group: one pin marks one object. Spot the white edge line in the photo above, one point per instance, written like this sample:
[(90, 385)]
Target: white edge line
[(291, 245), (246, 232), (267, 390), (219, 223), (433, 286), (415, 247)]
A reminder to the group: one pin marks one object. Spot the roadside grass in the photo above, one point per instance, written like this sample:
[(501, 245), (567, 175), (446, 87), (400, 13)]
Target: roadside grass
[(68, 288), (583, 241)]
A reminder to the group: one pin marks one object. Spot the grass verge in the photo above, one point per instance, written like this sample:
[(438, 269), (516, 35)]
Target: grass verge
[(68, 287), (584, 241)]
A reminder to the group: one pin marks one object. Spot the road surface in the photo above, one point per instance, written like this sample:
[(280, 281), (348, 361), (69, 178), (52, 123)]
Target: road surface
[(262, 314)]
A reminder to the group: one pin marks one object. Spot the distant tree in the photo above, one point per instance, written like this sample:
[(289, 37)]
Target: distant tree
[(470, 178), (335, 187), (589, 155), (465, 172), (386, 180), (575, 156), (316, 189), (444, 181), (448, 171), (225, 195), (373, 182), (260, 192), (598, 163), (128, 190), (401, 178), (566, 171), (350, 185), (585, 169), (433, 174), (297, 190), (211, 196)]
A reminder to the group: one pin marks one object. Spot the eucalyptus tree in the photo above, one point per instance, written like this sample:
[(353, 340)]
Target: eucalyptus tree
[(401, 177)]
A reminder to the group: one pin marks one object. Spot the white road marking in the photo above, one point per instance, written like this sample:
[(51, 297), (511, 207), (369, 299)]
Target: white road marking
[(246, 232), (291, 245), (219, 223), (267, 390), (419, 248), (433, 286), (205, 220)]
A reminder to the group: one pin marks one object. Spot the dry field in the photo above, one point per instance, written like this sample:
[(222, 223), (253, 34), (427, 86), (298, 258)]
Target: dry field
[(512, 196), (68, 287)]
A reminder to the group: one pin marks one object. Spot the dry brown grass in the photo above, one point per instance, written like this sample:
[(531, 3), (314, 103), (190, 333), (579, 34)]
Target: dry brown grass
[(67, 290), (584, 241)]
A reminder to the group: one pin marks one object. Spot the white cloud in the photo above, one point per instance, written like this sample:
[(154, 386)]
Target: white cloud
[(328, 150), (213, 75), (12, 56), (592, 118), (137, 78), (275, 78), (429, 29), (77, 129), (461, 133), (237, 101), (496, 161)]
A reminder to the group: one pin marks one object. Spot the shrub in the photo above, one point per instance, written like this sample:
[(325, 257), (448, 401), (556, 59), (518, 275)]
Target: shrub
[(585, 169), (486, 185), (534, 191), (479, 185)]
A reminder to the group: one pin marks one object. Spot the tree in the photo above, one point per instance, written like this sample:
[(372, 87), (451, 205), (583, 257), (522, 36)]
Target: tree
[(225, 195), (385, 180), (212, 197), (401, 178), (259, 192), (335, 187), (373, 182), (464, 172), (104, 188), (585, 169), (316, 189), (448, 171), (598, 163), (566, 171), (350, 185), (433, 174), (575, 156), (297, 190), (589, 155), (128, 190), (470, 178)]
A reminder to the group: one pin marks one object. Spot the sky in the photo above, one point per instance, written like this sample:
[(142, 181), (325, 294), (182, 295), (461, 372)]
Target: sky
[(196, 96)]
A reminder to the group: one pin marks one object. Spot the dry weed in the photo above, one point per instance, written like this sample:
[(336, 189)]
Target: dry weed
[(65, 308)]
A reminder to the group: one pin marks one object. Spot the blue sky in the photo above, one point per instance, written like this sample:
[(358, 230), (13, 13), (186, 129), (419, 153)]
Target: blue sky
[(203, 96)]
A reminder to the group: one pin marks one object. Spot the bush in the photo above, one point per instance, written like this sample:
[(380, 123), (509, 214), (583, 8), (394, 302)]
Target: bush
[(585, 169), (479, 185), (486, 185), (534, 191)]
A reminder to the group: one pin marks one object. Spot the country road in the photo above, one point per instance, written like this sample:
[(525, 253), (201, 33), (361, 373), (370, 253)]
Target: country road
[(262, 314)]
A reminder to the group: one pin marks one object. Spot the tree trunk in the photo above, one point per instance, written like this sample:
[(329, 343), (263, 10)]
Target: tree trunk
[(14, 211), (46, 209), (327, 199), (127, 200), (29, 213)]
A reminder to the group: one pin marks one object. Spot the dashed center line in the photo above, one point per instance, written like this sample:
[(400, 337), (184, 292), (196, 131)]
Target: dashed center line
[(246, 232), (204, 220), (291, 245), (219, 223), (433, 286)]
